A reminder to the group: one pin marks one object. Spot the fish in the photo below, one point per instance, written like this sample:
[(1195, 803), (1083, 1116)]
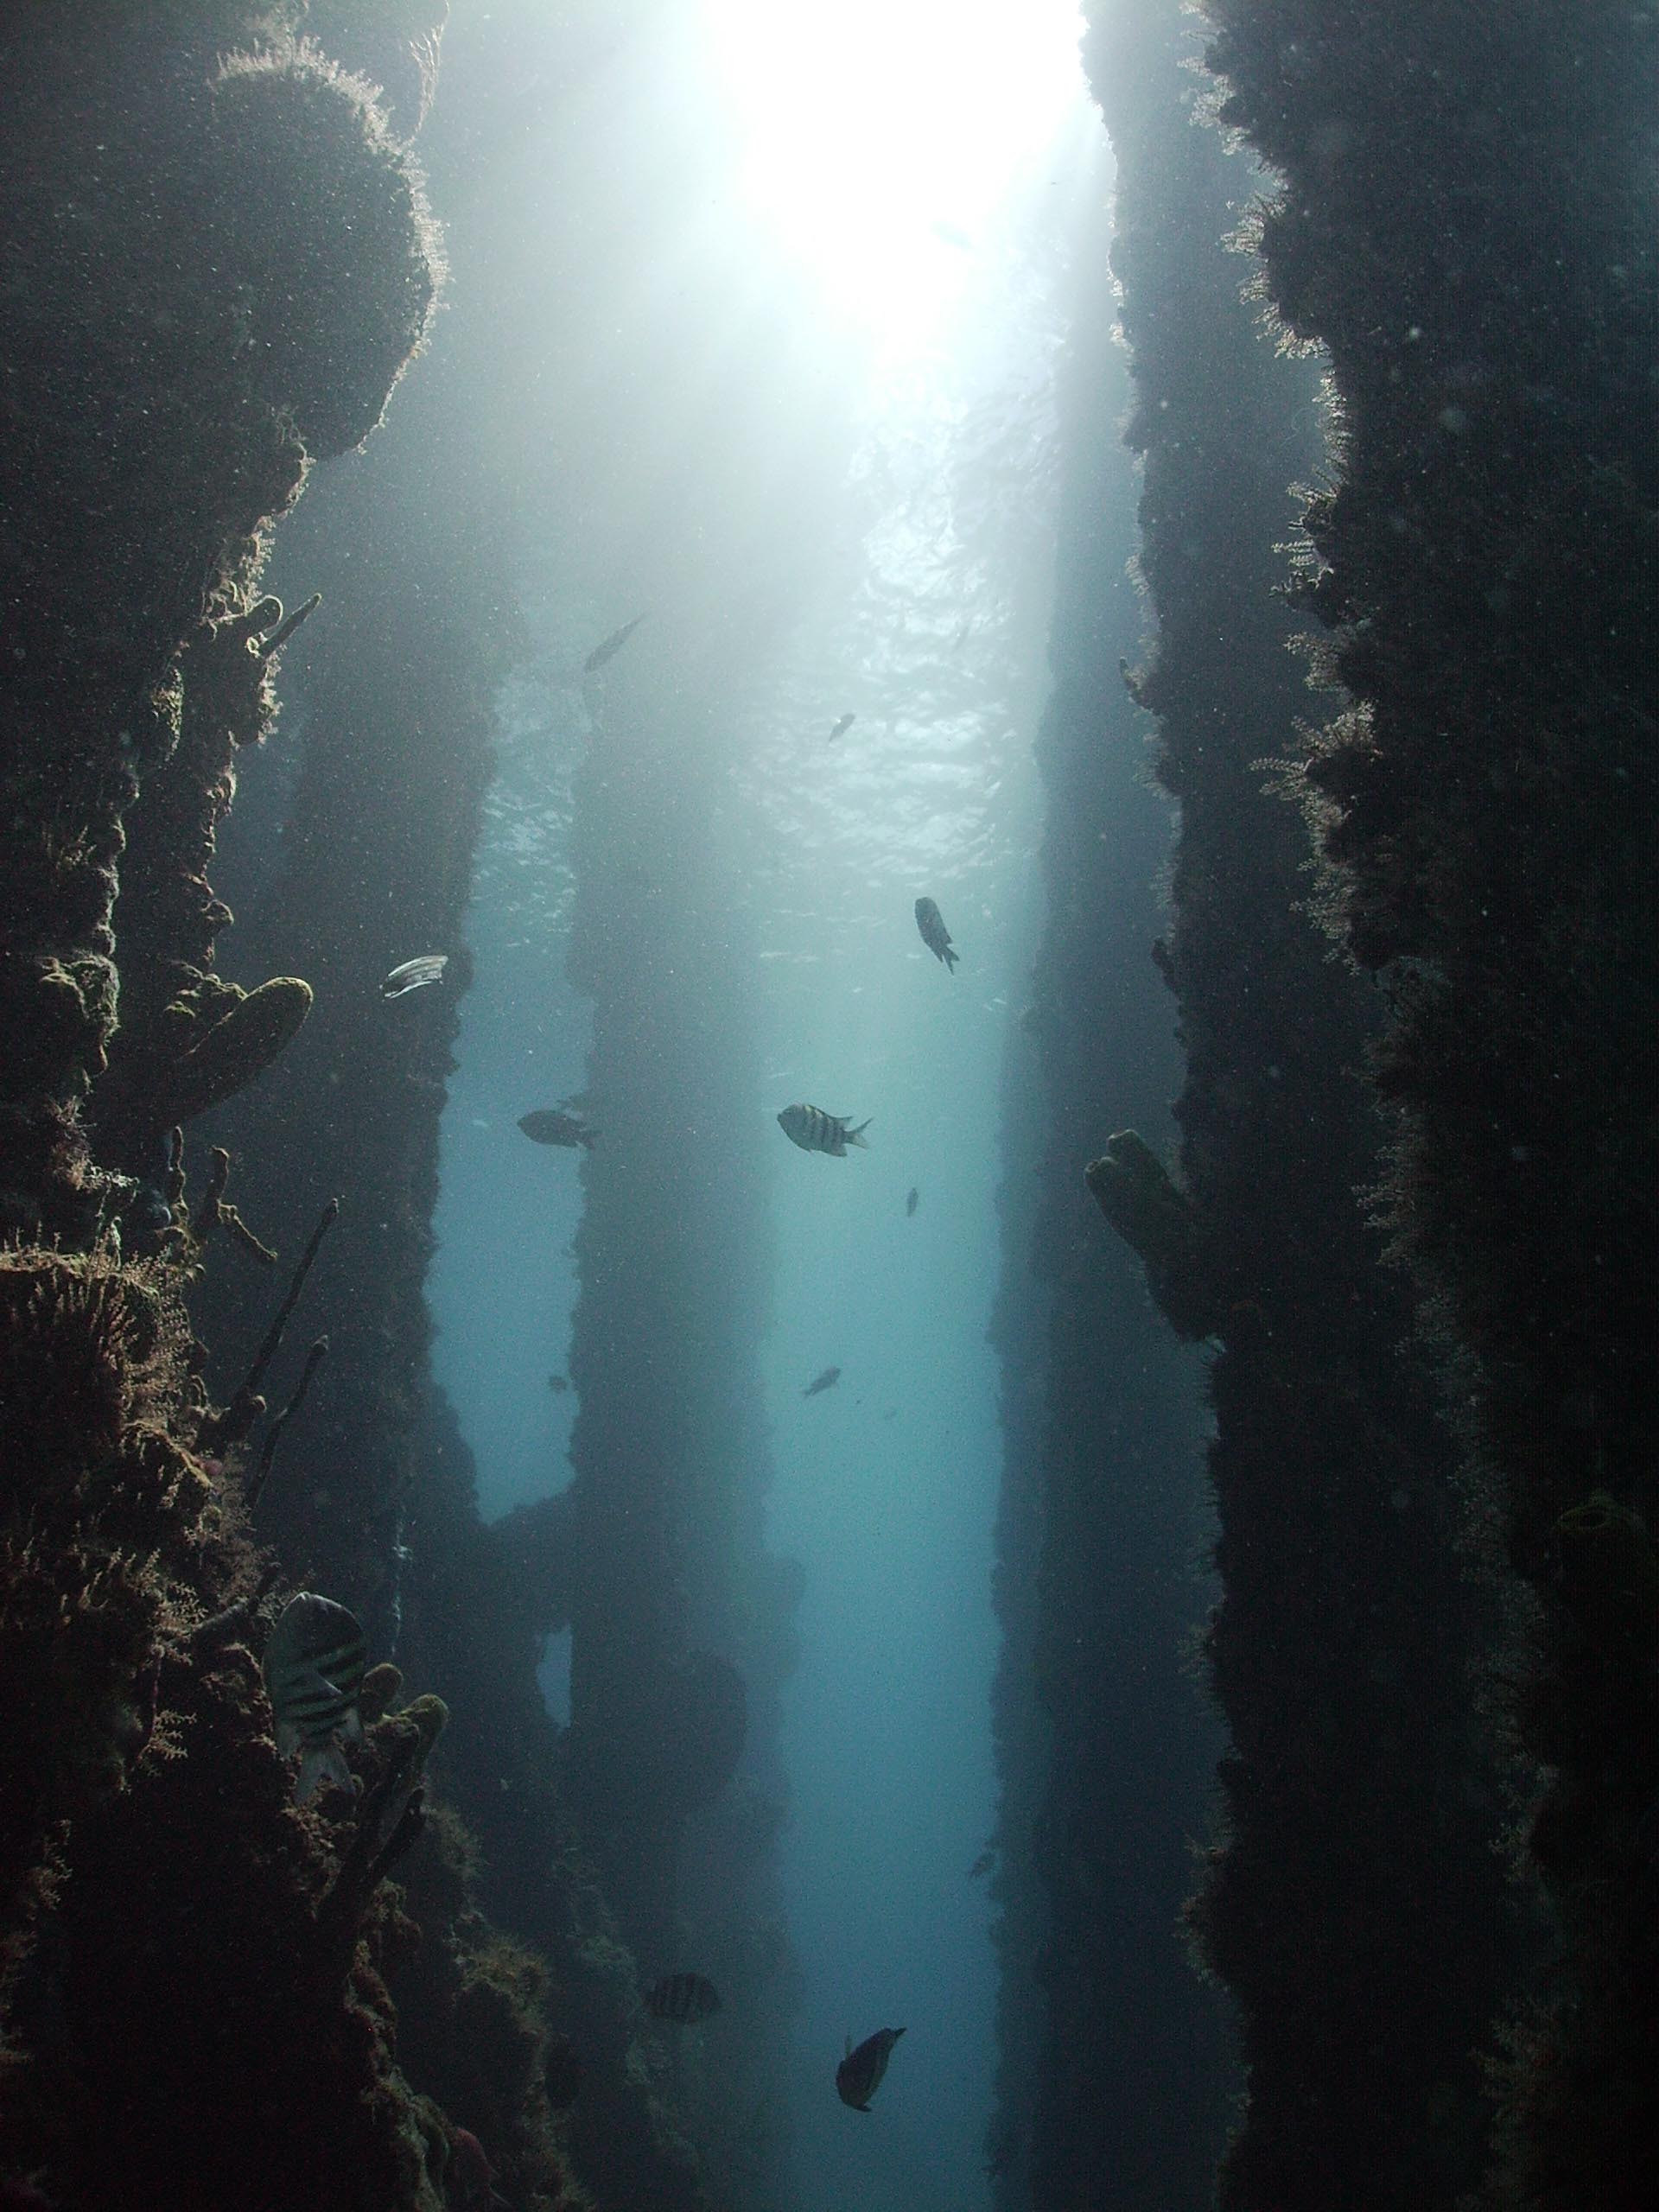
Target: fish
[(859, 2074), (313, 1668), (983, 1864), (935, 935), (683, 1997), (414, 975), (609, 648), (912, 1203), (549, 1126), (826, 1381), (558, 1384), (841, 727), (814, 1130)]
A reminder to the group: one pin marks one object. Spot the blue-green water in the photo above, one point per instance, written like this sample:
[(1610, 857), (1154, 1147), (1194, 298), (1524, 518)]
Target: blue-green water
[(899, 570)]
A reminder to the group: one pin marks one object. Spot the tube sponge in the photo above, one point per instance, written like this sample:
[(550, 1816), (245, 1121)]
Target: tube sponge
[(1136, 1193), (239, 1045)]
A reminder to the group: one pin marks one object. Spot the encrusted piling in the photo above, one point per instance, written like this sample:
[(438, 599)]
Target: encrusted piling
[(1349, 1902), (1465, 221)]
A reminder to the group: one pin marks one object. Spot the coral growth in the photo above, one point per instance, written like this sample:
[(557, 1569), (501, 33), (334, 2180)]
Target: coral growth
[(1350, 1900), (1466, 224), (217, 268)]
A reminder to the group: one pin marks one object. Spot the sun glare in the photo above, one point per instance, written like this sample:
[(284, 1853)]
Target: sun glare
[(883, 138)]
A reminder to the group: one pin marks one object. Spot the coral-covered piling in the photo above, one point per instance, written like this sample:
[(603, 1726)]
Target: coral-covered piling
[(1465, 223), (219, 262), (1114, 2066), (1351, 1901), (217, 270)]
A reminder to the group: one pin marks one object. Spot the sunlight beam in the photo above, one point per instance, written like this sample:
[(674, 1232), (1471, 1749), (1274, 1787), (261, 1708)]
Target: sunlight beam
[(883, 138)]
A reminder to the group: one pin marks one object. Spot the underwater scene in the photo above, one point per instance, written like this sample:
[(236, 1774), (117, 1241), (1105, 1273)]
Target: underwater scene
[(829, 1040)]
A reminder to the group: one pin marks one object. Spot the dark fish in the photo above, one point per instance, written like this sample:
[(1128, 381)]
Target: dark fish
[(683, 1997), (549, 1126), (814, 1130), (414, 973), (935, 935), (826, 1381), (859, 2074), (609, 648), (314, 1663), (913, 1202), (983, 1864), (841, 727), (558, 1384)]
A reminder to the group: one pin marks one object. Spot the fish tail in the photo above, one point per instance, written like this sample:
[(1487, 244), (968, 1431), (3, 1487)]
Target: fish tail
[(950, 958), (856, 1136)]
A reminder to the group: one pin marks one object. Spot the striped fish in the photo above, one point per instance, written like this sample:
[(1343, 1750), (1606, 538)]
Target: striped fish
[(859, 2074), (314, 1664), (814, 1130), (683, 1997)]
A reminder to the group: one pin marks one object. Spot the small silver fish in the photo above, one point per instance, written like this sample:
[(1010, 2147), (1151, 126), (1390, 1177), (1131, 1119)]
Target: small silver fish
[(859, 2074), (841, 727), (313, 1667), (935, 935), (414, 973), (814, 1130), (609, 648), (826, 1381)]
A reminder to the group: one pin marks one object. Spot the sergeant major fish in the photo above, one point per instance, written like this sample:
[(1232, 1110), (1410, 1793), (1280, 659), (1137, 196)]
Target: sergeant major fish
[(814, 1130), (859, 2074), (683, 1997), (551, 1126), (935, 935), (313, 1667)]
